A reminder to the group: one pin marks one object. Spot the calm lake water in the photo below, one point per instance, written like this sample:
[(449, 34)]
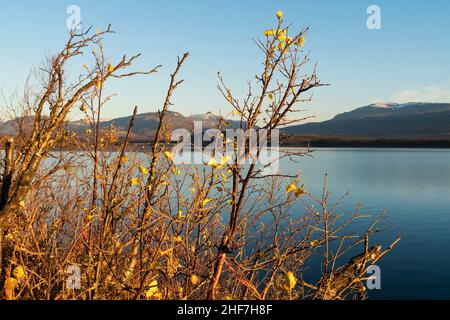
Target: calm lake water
[(414, 186)]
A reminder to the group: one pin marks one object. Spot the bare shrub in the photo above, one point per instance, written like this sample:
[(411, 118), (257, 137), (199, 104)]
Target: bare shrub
[(141, 227)]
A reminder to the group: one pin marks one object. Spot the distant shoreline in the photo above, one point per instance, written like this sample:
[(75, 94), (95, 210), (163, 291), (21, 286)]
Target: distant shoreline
[(353, 142), (316, 142)]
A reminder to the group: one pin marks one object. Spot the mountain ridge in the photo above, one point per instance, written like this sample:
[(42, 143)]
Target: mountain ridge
[(414, 119), (378, 120)]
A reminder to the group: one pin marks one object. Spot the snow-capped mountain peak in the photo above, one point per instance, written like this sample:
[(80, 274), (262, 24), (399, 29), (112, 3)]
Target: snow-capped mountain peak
[(385, 105)]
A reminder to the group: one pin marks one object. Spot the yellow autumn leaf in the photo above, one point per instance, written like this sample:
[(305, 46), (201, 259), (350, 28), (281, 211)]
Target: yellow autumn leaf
[(110, 68), (10, 282), (88, 131), (205, 202), (300, 42), (153, 290), (281, 37), (314, 243), (168, 155), (212, 162), (135, 182), (279, 14), (291, 281), (178, 239), (224, 159), (18, 272), (291, 188), (157, 296), (236, 112), (194, 279), (22, 205), (269, 32), (298, 191), (143, 170), (9, 286)]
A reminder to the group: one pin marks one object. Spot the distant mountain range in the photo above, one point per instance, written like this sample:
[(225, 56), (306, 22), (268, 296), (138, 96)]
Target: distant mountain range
[(381, 120), (384, 120), (145, 124)]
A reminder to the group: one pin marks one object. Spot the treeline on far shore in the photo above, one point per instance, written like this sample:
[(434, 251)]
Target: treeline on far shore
[(366, 142), (308, 141)]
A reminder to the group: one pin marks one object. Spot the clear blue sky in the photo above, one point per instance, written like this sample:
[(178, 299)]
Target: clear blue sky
[(408, 59)]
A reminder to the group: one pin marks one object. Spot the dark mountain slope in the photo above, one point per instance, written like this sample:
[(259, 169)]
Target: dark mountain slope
[(384, 120)]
